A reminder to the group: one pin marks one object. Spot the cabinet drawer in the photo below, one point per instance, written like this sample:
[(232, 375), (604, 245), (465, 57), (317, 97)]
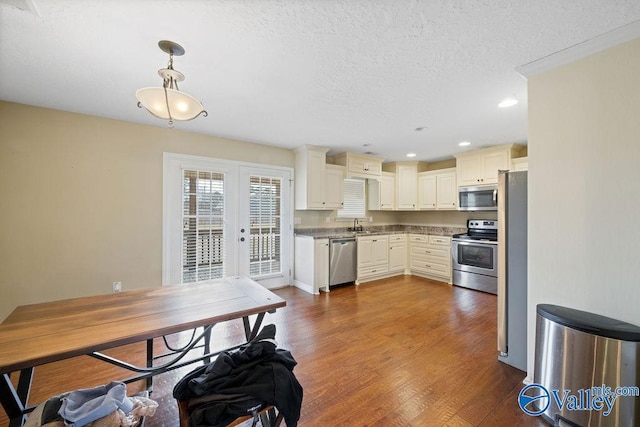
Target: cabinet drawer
[(427, 266), (424, 238), (440, 240), (428, 250), (397, 238), (432, 259), (372, 271)]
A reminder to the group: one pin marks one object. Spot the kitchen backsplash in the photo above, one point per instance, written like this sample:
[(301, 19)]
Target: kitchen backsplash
[(421, 229)]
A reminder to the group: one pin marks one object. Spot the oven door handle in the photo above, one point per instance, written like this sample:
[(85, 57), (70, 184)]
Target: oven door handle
[(475, 242)]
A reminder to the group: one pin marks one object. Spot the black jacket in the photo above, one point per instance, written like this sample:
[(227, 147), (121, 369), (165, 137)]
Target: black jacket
[(238, 380)]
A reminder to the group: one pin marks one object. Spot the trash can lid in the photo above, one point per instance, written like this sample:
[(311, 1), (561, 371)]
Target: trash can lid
[(590, 322)]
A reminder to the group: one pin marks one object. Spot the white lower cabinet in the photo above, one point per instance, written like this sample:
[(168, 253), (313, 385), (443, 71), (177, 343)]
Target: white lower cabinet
[(311, 264), (397, 253), (430, 256), (373, 257), (379, 256)]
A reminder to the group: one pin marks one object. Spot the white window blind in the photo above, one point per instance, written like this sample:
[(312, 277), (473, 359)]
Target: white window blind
[(354, 199), (265, 218), (203, 250)]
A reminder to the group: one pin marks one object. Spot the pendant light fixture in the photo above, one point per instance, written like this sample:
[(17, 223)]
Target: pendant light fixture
[(167, 102)]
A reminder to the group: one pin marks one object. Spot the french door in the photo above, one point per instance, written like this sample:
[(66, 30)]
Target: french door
[(224, 218)]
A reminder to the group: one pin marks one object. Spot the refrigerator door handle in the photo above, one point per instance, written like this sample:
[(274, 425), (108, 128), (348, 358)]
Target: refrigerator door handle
[(502, 264)]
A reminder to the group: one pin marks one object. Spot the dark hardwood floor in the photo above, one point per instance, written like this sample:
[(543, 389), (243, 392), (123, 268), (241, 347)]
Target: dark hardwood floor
[(403, 351)]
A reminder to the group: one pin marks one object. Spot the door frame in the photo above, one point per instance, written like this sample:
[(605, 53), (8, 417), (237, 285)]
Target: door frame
[(173, 164)]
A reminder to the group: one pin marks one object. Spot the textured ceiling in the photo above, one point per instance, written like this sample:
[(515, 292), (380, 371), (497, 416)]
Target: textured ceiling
[(337, 73)]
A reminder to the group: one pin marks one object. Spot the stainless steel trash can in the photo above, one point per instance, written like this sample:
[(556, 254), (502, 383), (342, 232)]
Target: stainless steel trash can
[(581, 356)]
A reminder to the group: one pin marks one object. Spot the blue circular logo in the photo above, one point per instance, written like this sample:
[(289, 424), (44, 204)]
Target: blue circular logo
[(534, 399)]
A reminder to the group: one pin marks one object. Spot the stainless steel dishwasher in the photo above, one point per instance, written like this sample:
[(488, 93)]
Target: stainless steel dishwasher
[(342, 260)]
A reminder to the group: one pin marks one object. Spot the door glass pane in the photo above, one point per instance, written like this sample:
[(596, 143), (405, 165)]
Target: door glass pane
[(264, 218), (476, 256), (202, 225)]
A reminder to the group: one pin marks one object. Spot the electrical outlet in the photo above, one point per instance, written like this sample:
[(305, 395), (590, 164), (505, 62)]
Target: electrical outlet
[(117, 287), (328, 219)]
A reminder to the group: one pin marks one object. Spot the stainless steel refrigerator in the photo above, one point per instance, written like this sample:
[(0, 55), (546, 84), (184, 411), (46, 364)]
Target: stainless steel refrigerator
[(512, 268)]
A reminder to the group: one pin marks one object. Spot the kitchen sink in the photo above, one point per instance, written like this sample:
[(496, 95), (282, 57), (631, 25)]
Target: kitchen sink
[(357, 233)]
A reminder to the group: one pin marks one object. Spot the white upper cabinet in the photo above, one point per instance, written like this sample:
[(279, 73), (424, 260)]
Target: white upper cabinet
[(427, 199), (318, 186), (381, 192), (447, 190), (309, 177), (406, 187), (359, 165), (520, 164), (333, 186), (480, 167), (406, 183), (437, 190)]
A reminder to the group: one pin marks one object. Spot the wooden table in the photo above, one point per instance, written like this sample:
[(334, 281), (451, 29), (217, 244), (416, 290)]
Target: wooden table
[(36, 334)]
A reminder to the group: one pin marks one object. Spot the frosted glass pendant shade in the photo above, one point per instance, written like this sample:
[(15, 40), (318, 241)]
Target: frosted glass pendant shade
[(169, 104)]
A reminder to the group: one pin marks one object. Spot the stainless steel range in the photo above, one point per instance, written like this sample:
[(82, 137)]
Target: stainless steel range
[(475, 256)]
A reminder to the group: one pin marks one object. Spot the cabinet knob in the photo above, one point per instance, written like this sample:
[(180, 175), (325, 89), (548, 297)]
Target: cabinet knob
[(323, 203)]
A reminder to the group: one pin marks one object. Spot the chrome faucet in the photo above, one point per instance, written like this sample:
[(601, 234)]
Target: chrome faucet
[(356, 227)]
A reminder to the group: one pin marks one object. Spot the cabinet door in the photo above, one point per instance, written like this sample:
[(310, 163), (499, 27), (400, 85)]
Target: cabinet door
[(397, 256), (491, 164), (406, 187), (380, 250), (315, 180), (447, 191), (333, 187), (387, 192), (321, 264), (373, 168), (469, 170), (427, 192), (365, 252)]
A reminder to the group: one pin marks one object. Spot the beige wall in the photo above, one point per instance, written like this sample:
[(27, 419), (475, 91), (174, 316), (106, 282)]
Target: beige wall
[(584, 186), (81, 200)]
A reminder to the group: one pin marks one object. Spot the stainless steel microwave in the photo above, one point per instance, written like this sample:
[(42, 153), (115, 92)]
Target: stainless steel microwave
[(484, 198)]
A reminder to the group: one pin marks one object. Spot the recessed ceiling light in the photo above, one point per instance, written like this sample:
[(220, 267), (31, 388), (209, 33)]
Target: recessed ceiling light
[(411, 155), (508, 102), (464, 143)]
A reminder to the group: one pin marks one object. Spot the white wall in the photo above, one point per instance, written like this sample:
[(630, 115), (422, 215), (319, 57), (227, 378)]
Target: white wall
[(584, 187)]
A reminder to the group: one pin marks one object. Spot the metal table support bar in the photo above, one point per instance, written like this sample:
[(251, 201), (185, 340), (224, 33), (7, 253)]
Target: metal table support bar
[(17, 407)]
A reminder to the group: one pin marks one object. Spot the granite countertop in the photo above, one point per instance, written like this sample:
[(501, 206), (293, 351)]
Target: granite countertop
[(325, 233)]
